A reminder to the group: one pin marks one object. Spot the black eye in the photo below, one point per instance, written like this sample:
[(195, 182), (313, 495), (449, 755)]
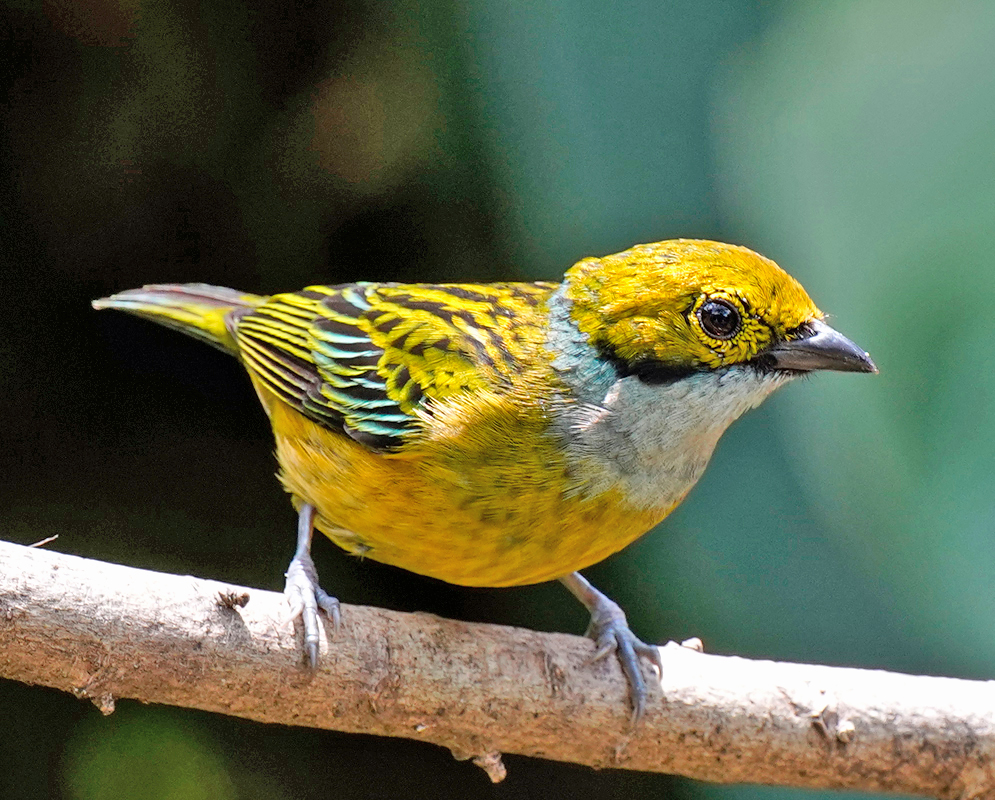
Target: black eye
[(719, 319)]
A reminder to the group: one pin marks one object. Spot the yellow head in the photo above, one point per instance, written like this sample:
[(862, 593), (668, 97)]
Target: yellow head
[(687, 305), (666, 345)]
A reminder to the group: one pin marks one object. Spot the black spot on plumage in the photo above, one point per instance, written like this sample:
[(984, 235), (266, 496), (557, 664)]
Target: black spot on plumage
[(437, 309), (466, 316), (415, 393), (501, 311), (402, 377), (463, 293), (529, 297), (387, 323), (334, 326), (417, 349), (404, 299)]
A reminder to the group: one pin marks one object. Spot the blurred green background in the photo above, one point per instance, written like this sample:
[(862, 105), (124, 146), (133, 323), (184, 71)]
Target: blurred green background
[(273, 144)]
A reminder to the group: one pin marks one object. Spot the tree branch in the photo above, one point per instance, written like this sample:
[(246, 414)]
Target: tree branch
[(104, 631)]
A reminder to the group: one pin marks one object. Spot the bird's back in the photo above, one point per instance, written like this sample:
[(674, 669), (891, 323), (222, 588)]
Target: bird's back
[(368, 359), (363, 359)]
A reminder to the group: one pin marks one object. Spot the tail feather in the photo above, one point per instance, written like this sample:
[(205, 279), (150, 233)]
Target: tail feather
[(197, 309)]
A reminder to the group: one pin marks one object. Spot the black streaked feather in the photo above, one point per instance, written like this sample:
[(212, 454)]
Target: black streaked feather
[(341, 355)]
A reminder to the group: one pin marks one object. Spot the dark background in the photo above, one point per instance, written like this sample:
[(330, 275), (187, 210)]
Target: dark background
[(271, 145)]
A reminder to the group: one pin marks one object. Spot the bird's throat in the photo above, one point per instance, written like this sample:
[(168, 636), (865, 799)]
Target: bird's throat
[(650, 439)]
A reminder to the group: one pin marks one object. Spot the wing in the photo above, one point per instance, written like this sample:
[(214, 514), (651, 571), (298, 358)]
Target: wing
[(365, 358)]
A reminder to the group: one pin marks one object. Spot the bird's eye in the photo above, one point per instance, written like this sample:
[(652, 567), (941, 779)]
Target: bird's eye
[(719, 319)]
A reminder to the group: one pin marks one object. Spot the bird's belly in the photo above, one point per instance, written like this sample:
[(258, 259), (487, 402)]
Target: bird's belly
[(485, 520)]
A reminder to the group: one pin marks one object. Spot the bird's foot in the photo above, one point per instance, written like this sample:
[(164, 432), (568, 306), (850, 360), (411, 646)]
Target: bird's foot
[(304, 595), (611, 634)]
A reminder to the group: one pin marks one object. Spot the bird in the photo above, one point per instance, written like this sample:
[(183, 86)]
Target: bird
[(506, 434)]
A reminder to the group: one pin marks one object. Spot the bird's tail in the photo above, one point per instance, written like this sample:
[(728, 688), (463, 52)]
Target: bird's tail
[(196, 309)]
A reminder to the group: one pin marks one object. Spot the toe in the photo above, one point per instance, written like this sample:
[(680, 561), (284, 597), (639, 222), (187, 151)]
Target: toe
[(330, 606), (631, 668)]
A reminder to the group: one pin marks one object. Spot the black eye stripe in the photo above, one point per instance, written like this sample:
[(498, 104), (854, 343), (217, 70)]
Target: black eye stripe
[(720, 319)]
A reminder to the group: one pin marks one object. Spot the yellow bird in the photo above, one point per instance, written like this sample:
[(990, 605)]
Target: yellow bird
[(509, 433)]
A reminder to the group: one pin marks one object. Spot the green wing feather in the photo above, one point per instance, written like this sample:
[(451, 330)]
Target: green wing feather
[(364, 358)]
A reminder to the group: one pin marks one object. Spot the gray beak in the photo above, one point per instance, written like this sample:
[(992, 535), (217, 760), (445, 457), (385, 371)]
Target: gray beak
[(821, 348)]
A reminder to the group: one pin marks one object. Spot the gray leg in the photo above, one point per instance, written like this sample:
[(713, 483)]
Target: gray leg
[(303, 593), (611, 634)]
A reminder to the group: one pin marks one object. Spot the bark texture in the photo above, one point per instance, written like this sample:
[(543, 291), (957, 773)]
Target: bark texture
[(104, 631)]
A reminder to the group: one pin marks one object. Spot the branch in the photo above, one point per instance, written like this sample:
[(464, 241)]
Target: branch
[(104, 631)]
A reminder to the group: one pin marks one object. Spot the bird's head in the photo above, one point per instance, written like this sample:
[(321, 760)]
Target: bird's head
[(665, 310)]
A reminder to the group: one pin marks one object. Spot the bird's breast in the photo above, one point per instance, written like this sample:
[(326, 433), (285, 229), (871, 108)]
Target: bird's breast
[(483, 498), (652, 441)]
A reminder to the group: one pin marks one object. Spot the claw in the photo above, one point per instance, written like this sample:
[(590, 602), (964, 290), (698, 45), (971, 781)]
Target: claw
[(304, 596), (610, 631)]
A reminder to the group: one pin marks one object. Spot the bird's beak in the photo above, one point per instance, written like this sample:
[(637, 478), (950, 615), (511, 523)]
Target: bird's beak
[(821, 347)]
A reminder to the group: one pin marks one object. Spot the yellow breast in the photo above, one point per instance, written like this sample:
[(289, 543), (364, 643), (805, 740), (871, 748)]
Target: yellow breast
[(483, 499)]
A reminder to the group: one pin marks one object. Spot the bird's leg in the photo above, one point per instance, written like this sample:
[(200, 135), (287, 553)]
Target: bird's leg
[(302, 591), (611, 634)]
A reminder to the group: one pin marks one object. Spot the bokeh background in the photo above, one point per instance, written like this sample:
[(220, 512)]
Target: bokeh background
[(272, 144)]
